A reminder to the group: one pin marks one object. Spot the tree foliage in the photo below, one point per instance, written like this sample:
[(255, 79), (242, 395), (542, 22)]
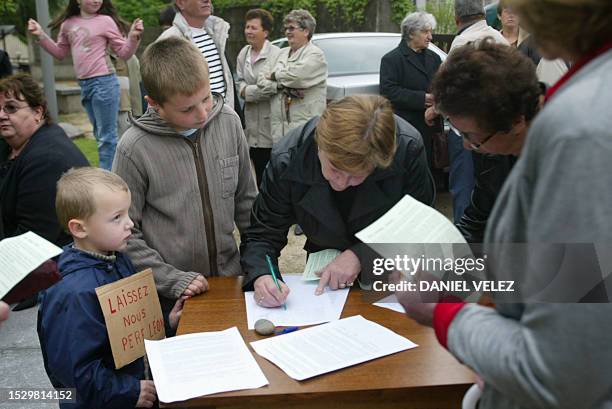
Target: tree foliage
[(17, 12), (349, 15), (147, 10), (442, 10)]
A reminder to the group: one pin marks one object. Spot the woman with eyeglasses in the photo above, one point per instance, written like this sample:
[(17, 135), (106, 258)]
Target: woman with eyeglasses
[(492, 115), (34, 157), (299, 74)]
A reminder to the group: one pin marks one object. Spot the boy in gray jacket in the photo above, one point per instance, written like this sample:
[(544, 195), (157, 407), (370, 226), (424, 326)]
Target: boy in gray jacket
[(186, 161)]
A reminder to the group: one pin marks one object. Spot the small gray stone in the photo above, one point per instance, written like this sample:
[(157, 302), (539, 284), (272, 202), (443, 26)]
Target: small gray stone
[(71, 130), (264, 327)]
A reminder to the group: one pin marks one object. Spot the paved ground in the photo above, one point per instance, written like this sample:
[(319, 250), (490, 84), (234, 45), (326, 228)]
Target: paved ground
[(21, 364)]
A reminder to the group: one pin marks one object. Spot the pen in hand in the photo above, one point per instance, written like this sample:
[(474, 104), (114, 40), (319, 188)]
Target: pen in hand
[(271, 267)]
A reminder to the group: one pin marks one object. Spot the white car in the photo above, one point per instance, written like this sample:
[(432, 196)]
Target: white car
[(353, 60)]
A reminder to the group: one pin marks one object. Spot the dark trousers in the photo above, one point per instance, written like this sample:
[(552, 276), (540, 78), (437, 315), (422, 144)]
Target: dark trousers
[(260, 158), (461, 175)]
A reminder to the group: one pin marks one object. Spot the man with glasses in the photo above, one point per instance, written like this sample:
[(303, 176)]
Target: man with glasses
[(489, 93)]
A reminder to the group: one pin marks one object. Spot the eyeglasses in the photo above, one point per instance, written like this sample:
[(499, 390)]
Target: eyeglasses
[(292, 28), (10, 109), (466, 136)]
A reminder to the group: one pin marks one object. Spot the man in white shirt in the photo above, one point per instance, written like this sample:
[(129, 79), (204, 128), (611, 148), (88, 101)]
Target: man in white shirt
[(472, 24), (194, 21)]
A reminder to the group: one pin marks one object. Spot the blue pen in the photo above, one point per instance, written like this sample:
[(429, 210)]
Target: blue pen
[(286, 330), (274, 276)]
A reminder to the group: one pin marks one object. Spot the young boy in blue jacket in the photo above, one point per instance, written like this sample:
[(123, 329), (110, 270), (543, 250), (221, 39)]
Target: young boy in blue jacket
[(92, 205)]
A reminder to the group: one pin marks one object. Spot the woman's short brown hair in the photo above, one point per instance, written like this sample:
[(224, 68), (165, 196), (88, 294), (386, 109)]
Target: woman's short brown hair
[(578, 26), (24, 88), (494, 84), (267, 21), (501, 6), (358, 133)]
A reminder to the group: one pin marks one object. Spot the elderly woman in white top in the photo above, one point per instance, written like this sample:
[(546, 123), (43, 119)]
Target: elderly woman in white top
[(251, 61), (300, 75)]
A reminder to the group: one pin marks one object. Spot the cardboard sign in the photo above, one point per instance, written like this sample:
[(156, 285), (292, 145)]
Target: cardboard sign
[(132, 314)]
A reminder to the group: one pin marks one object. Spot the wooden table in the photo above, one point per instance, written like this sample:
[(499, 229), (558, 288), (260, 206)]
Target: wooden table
[(423, 377)]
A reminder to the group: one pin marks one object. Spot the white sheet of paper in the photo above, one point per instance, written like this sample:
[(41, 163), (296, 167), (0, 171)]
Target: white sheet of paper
[(192, 365), (20, 255), (414, 229), (303, 306), (316, 261), (411, 221), (390, 302), (408, 226), (325, 348)]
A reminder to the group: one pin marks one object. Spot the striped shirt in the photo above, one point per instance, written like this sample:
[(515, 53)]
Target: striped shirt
[(207, 47)]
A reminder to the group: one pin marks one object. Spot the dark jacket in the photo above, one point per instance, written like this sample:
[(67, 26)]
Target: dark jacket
[(6, 68), (73, 338), (405, 81), (490, 173), (529, 48), (28, 184), (294, 190)]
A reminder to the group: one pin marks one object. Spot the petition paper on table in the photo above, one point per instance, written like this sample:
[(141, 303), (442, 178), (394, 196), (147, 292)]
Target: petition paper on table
[(303, 306), (20, 255), (325, 348), (192, 365), (317, 261), (390, 302)]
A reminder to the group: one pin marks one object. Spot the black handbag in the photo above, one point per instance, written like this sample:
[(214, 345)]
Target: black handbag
[(439, 142)]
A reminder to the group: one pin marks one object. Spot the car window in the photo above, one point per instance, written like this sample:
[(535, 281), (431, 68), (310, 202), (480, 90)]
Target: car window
[(281, 43), (355, 55)]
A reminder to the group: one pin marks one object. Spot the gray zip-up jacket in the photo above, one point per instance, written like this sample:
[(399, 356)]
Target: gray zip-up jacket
[(186, 197), (547, 355)]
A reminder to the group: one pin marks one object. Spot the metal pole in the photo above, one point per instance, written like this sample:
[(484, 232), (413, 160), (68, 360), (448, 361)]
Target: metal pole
[(46, 61)]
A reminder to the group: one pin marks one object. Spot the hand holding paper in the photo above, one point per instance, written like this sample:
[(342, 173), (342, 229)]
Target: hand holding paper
[(4, 311), (19, 256)]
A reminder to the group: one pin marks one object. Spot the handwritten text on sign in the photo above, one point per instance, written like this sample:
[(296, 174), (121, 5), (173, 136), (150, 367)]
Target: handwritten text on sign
[(132, 314)]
